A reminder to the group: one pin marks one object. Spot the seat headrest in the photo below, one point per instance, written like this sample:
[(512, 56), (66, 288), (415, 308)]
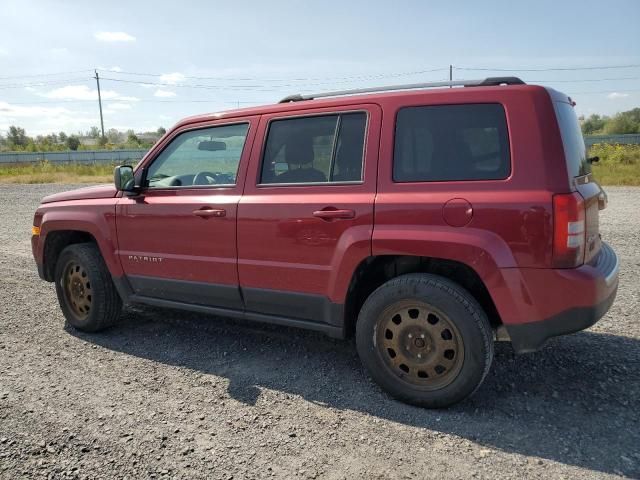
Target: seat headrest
[(299, 150)]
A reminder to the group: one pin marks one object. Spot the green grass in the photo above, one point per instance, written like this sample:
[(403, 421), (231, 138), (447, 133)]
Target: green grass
[(47, 172), (607, 174), (618, 165)]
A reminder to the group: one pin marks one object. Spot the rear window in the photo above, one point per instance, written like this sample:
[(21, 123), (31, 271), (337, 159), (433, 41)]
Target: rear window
[(574, 149), (451, 143)]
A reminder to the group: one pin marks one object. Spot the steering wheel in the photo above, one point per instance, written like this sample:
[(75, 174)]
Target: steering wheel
[(208, 178), (205, 178)]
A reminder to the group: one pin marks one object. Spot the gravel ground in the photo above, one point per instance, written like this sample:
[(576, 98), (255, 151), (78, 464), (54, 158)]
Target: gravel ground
[(168, 394)]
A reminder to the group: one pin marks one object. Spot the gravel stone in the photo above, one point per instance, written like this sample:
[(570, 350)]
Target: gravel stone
[(184, 387)]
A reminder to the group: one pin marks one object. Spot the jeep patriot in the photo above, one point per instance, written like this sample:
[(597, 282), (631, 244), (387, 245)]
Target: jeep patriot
[(425, 222)]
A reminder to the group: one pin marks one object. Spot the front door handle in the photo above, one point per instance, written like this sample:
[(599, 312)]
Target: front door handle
[(210, 212), (330, 214)]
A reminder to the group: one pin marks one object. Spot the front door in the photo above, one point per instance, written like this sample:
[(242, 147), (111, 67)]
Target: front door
[(306, 216), (177, 239)]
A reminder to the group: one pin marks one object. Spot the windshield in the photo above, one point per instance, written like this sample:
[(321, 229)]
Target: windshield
[(574, 149)]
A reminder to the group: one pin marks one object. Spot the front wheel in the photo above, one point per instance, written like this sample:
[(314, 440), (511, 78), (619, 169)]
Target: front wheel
[(425, 340), (85, 290)]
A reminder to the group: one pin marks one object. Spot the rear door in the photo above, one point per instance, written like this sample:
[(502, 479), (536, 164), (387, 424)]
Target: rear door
[(177, 239), (306, 215)]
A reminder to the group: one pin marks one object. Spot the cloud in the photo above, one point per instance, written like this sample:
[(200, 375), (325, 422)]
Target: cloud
[(119, 106), (114, 37), (4, 52), (164, 93), (110, 69), (616, 95), (172, 78), (59, 52), (82, 92), (27, 111), (123, 98)]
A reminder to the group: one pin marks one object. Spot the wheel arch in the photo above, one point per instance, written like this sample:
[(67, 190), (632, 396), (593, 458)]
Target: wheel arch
[(374, 271), (58, 240)]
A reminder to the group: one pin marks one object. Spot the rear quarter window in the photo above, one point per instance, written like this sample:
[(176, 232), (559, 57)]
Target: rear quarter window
[(451, 143), (574, 149)]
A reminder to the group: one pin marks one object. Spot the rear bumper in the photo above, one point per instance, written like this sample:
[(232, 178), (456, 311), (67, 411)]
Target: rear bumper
[(553, 302), (529, 337)]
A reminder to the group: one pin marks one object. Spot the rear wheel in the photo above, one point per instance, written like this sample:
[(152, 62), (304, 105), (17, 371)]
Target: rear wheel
[(87, 296), (425, 340)]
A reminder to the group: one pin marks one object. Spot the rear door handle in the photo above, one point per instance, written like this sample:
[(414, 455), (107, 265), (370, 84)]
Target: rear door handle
[(210, 212), (330, 214)]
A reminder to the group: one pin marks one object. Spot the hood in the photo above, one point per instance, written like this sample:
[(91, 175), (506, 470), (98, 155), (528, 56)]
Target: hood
[(96, 191)]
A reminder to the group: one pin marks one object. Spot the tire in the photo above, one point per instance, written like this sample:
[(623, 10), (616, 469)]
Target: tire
[(425, 340), (86, 293)]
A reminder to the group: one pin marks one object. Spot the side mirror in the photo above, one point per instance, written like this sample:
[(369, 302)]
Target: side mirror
[(123, 178), (280, 167)]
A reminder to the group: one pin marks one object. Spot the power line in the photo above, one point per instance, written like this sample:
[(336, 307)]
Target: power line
[(44, 74), (256, 88), (581, 80), (180, 85), (44, 83), (604, 91), (551, 69), (247, 79), (116, 100)]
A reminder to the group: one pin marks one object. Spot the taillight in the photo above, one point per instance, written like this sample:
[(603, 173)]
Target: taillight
[(568, 230)]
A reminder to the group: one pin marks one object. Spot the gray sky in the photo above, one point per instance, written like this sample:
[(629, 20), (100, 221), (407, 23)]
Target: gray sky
[(161, 61)]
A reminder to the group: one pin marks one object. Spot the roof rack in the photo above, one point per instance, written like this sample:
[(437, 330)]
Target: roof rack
[(491, 81)]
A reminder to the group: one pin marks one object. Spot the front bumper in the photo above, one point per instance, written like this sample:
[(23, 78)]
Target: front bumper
[(592, 289), (41, 271)]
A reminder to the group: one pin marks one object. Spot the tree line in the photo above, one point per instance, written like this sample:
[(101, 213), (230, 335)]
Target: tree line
[(619, 124), (17, 140)]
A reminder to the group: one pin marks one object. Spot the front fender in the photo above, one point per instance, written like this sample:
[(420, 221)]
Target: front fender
[(98, 220)]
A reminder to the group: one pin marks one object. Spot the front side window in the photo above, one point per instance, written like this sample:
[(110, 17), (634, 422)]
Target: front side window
[(451, 143), (209, 156), (320, 149)]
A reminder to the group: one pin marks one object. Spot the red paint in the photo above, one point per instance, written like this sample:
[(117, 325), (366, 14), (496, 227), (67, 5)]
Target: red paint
[(275, 237), (457, 212)]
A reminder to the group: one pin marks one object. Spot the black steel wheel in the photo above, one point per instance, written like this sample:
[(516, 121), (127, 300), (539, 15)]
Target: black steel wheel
[(425, 340), (86, 293)]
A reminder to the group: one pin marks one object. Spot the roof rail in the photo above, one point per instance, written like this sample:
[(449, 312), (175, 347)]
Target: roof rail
[(491, 81)]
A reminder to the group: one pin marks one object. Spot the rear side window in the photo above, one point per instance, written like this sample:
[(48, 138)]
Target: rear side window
[(451, 143), (321, 149), (574, 148)]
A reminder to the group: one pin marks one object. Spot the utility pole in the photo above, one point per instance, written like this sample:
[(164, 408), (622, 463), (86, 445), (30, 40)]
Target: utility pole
[(451, 75), (99, 102)]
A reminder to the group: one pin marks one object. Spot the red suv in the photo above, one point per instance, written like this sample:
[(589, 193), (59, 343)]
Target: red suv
[(425, 221)]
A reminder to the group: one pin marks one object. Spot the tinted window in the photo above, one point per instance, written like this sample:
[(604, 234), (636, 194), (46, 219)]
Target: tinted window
[(209, 156), (315, 149), (574, 149), (451, 142)]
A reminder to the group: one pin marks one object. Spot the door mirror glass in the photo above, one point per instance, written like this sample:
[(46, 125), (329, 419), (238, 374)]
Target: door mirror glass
[(123, 178), (280, 167)]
